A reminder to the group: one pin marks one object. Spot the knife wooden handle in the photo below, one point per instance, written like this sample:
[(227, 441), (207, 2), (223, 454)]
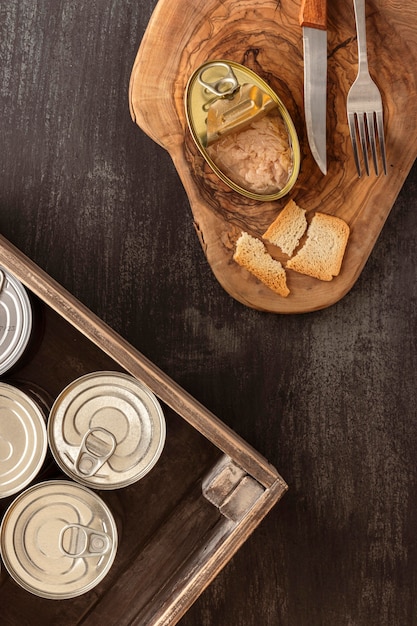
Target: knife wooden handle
[(313, 13)]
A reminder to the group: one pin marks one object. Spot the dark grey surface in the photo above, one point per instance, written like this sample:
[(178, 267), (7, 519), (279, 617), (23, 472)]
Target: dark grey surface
[(328, 397)]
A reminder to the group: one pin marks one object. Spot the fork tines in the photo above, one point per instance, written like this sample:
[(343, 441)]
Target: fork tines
[(369, 126)]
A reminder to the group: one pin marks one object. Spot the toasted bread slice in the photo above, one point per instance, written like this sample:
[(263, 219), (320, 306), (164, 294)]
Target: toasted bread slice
[(322, 254), (251, 254), (288, 228)]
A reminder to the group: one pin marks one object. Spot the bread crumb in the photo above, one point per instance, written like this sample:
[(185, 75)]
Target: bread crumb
[(322, 254), (251, 254), (288, 228)]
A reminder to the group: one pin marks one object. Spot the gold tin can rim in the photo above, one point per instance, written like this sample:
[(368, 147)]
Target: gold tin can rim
[(194, 105), (58, 539)]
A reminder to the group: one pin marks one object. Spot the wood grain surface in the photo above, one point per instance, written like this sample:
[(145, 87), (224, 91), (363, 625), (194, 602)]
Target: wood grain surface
[(329, 397), (266, 37)]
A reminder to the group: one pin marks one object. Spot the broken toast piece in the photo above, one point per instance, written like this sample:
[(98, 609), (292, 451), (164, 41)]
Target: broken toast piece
[(251, 254), (288, 228), (322, 253)]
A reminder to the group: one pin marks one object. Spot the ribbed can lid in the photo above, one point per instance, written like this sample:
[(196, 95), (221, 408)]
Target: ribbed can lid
[(15, 320), (23, 439), (106, 430), (58, 539)]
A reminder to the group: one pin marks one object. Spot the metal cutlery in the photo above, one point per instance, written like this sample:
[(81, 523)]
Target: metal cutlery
[(364, 105), (313, 19)]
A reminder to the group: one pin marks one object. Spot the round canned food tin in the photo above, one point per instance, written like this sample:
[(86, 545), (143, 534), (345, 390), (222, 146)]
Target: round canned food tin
[(58, 539), (16, 320), (106, 430), (23, 439)]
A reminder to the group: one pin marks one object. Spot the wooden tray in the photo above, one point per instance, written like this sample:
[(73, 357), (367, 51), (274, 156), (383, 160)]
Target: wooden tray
[(181, 523), (266, 36)]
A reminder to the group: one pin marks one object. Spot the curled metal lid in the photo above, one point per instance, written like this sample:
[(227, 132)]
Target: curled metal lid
[(106, 430), (15, 320), (58, 539), (23, 439)]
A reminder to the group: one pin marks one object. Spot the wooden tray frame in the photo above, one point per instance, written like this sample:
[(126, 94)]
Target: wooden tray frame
[(207, 525)]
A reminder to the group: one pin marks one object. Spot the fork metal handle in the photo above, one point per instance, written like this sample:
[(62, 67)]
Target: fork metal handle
[(359, 6)]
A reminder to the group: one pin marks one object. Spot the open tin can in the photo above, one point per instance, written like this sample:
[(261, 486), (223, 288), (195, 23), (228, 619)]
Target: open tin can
[(23, 439), (243, 130), (58, 539), (16, 321), (106, 430)]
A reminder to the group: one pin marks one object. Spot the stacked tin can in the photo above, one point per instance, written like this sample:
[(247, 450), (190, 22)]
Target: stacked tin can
[(58, 539), (16, 321), (23, 438), (106, 430)]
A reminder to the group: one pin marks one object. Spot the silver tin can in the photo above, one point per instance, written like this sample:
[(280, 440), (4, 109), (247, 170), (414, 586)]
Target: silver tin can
[(16, 320), (58, 539), (23, 439), (106, 430)]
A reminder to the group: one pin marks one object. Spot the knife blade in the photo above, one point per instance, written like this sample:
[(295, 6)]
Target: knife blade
[(313, 19)]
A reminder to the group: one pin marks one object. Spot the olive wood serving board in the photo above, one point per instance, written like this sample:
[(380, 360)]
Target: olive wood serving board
[(266, 37)]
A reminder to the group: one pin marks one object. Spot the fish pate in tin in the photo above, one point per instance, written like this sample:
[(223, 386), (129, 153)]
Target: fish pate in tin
[(243, 130)]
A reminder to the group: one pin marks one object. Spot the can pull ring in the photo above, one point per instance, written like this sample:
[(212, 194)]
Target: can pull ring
[(79, 541), (224, 86), (97, 445)]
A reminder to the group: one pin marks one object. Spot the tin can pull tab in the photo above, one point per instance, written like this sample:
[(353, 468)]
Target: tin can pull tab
[(98, 444), (225, 85), (79, 541), (236, 105)]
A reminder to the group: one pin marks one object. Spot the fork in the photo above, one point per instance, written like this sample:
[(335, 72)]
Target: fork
[(364, 103)]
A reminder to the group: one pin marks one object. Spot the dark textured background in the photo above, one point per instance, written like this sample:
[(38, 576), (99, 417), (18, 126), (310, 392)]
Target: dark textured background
[(328, 397)]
